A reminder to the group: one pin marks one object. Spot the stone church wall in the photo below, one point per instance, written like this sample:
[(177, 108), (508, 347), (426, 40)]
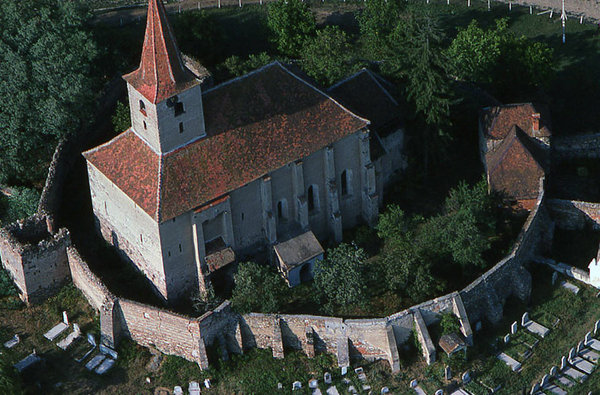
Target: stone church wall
[(574, 214)]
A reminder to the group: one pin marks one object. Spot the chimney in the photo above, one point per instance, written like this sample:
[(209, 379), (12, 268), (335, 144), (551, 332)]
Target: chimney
[(535, 123)]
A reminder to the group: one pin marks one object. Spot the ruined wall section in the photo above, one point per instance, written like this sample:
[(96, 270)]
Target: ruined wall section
[(574, 214), (580, 146), (88, 283), (34, 258)]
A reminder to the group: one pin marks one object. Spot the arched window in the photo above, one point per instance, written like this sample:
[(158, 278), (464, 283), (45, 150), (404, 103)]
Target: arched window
[(313, 198), (142, 107), (282, 209), (346, 182)]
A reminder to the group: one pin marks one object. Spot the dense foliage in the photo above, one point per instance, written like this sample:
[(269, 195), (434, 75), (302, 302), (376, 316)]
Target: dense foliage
[(500, 59), (377, 21), (291, 22), (339, 279), (327, 57), (121, 119), (419, 251), (236, 66), (21, 203), (257, 288), (199, 36), (46, 89), (10, 382)]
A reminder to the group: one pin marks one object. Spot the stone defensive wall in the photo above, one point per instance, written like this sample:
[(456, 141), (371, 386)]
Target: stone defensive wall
[(188, 337), (579, 146), (574, 214), (35, 257), (371, 339)]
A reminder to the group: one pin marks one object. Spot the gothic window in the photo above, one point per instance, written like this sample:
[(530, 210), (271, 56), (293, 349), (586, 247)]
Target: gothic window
[(178, 108), (346, 182), (313, 198), (282, 209), (142, 107), (180, 127), (145, 127)]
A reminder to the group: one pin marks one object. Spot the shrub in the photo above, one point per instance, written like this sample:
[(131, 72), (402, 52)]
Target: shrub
[(449, 324), (257, 288), (290, 21)]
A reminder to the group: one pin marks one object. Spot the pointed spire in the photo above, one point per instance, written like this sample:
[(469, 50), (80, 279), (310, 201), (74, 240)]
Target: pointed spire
[(162, 73)]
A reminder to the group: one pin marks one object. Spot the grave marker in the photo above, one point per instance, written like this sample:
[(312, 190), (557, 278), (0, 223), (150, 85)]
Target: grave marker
[(448, 373), (327, 378), (296, 385), (588, 338), (525, 319), (513, 328), (572, 354), (545, 381), (563, 363), (506, 339), (553, 371), (414, 383), (466, 377)]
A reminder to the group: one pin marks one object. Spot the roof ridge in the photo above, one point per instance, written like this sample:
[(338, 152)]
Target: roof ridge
[(324, 94), (502, 150), (158, 214), (117, 137), (241, 77), (347, 79)]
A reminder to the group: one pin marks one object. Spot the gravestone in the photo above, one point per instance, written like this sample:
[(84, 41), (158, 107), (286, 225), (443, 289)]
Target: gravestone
[(344, 370), (327, 378), (514, 327), (525, 319), (579, 347), (207, 383), (506, 338), (553, 371), (65, 318), (563, 363), (439, 392), (572, 354), (312, 384), (296, 385), (448, 373), (414, 383), (554, 278), (545, 381), (91, 339), (535, 388), (385, 390), (466, 377), (588, 338), (177, 390), (279, 386), (596, 327)]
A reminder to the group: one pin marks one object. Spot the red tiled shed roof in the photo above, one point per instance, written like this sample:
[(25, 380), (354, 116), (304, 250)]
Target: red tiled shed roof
[(162, 72), (498, 120), (255, 124), (517, 165)]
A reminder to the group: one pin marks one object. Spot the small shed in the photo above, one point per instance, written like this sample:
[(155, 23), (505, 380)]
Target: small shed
[(296, 257), (452, 343)]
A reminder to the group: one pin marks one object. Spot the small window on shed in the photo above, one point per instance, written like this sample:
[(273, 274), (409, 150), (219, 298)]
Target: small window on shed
[(178, 108)]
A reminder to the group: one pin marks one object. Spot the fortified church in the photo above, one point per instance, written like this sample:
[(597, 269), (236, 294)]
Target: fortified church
[(263, 164)]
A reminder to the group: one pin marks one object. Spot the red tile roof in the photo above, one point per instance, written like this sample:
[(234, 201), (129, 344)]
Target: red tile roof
[(255, 124), (162, 73), (517, 165), (498, 120)]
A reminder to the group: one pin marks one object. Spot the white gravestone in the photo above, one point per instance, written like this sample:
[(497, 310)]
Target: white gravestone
[(579, 347), (312, 384), (553, 371), (596, 327), (572, 354), (466, 377), (296, 385), (513, 328), (506, 339), (588, 338), (439, 392), (524, 319), (327, 378), (448, 373), (177, 390), (414, 383), (545, 381), (563, 363), (535, 388)]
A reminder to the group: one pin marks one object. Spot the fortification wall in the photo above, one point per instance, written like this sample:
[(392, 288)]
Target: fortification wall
[(169, 332), (574, 214), (88, 283), (581, 146), (34, 258)]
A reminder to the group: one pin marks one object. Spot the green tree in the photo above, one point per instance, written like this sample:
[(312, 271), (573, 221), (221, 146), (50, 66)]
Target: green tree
[(207, 302), (46, 90), (416, 59), (200, 36), (290, 21), (237, 66), (121, 119), (449, 324), (327, 57), (21, 203), (376, 21), (257, 289), (509, 64), (339, 279)]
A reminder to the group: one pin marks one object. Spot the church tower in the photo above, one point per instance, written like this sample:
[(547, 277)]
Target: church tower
[(165, 98)]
